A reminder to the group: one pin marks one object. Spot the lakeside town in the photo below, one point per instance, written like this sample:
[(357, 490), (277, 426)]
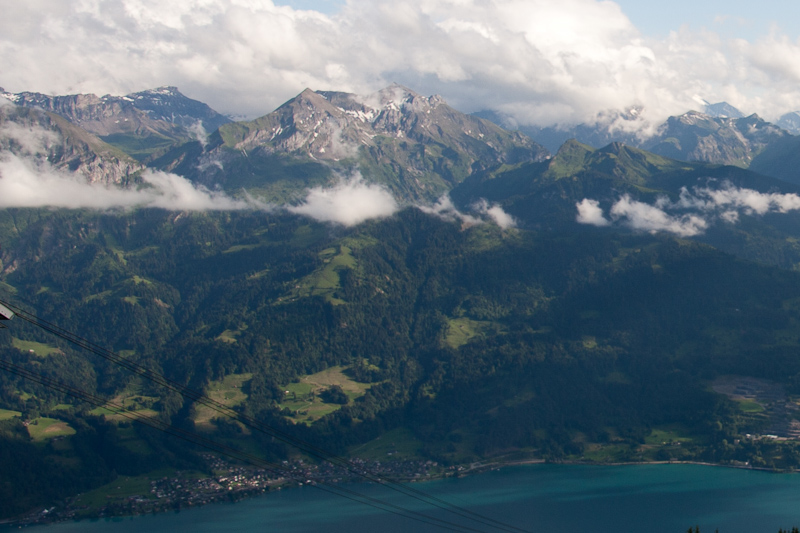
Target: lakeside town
[(229, 483)]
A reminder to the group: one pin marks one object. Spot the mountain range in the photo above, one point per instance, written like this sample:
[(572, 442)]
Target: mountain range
[(597, 304)]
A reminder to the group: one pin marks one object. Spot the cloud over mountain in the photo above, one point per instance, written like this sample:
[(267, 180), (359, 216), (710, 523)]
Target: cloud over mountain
[(28, 179), (348, 203), (692, 213), (538, 61)]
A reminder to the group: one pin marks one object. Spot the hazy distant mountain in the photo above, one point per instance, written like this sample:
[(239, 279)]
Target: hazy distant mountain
[(780, 160), (722, 134), (790, 122), (722, 110), (696, 136), (612, 126), (141, 123), (417, 146)]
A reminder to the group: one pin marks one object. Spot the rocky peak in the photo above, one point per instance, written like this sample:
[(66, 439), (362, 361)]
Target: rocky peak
[(156, 111)]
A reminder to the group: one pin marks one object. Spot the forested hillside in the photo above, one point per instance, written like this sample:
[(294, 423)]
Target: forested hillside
[(476, 342)]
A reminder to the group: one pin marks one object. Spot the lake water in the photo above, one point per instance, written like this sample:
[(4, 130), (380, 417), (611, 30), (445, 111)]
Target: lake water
[(541, 498)]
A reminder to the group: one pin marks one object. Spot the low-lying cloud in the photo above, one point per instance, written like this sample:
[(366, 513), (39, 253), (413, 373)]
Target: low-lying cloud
[(350, 202), (26, 184), (691, 214), (29, 179), (645, 217), (590, 212), (446, 210), (496, 213)]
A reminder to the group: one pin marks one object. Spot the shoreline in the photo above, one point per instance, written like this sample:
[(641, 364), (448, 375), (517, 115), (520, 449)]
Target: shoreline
[(44, 517)]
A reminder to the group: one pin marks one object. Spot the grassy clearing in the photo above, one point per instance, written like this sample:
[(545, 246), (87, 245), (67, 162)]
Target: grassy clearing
[(231, 336), (325, 281), (668, 434), (115, 248), (130, 400), (227, 391), (749, 406), (98, 296), (6, 287), (302, 398), (44, 428), (259, 274), (38, 348), (6, 414), (462, 330), (241, 247), (143, 251), (606, 453), (399, 444)]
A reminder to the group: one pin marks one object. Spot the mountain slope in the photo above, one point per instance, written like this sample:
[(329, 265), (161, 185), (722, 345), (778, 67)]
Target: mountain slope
[(748, 214), (720, 135), (417, 146), (141, 123)]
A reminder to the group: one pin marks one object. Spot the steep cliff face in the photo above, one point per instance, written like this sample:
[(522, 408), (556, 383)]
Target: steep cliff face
[(46, 141)]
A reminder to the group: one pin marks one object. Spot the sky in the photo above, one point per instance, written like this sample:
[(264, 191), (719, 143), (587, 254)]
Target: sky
[(540, 62)]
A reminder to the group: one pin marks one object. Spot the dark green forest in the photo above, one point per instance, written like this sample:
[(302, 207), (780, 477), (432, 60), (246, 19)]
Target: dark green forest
[(476, 343)]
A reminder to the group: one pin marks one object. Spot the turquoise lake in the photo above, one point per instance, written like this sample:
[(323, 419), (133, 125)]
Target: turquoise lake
[(540, 498)]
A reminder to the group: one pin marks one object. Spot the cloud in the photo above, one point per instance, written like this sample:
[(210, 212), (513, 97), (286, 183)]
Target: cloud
[(747, 200), (539, 61), (26, 139), (27, 183), (496, 213), (446, 210), (348, 203), (28, 179), (645, 217), (725, 203), (590, 212), (199, 133)]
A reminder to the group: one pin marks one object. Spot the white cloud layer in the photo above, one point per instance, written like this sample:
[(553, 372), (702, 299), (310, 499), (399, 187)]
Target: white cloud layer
[(349, 203), (27, 179), (25, 183), (539, 61), (645, 217), (725, 203)]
